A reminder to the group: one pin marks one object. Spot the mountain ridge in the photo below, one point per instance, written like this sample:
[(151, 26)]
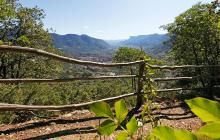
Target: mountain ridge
[(86, 46)]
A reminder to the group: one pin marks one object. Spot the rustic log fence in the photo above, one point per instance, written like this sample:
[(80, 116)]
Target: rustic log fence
[(140, 78)]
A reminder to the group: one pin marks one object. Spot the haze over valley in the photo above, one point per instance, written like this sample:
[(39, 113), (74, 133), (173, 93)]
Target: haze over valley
[(90, 48)]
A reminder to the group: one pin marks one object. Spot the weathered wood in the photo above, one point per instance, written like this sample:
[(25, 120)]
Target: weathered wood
[(15, 81), (81, 62), (14, 107), (139, 100), (63, 58), (172, 79), (30, 80), (181, 78), (180, 67)]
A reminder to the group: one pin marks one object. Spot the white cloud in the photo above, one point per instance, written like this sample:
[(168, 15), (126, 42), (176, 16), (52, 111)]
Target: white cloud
[(85, 27)]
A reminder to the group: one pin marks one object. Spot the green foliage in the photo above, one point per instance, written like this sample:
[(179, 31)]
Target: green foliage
[(82, 45), (167, 133), (132, 126), (122, 135), (102, 109), (23, 26), (211, 130), (195, 36), (205, 109), (126, 54), (107, 127), (113, 122), (120, 110), (208, 111), (199, 106)]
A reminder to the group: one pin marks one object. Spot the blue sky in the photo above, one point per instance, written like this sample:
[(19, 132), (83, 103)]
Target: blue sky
[(110, 19)]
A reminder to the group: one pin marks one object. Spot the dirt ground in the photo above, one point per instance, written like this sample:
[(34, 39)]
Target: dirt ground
[(80, 125)]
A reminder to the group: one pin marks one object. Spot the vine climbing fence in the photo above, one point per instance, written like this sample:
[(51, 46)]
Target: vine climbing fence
[(141, 65)]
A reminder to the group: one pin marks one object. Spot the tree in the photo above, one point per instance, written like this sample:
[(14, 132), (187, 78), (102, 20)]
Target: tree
[(126, 54), (195, 40), (23, 26)]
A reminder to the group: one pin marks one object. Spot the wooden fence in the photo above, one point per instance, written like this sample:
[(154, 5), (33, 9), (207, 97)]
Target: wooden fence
[(140, 78)]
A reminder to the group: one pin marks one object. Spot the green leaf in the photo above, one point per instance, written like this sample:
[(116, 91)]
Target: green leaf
[(167, 133), (1, 42), (122, 135), (163, 133), (184, 135), (107, 127), (205, 109), (102, 109), (132, 126), (211, 130), (120, 110)]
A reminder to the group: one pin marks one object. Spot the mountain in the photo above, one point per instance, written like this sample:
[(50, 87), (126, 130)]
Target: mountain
[(114, 43), (89, 48), (146, 41), (81, 45), (152, 44)]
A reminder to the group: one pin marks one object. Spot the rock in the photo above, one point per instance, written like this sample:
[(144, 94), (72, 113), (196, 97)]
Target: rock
[(48, 129), (52, 123)]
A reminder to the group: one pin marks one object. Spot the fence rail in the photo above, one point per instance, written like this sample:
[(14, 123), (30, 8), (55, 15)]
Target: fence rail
[(181, 67), (140, 76), (15, 81), (63, 58), (17, 107), (81, 62)]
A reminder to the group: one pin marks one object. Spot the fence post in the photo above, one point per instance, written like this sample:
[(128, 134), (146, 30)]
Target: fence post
[(139, 90)]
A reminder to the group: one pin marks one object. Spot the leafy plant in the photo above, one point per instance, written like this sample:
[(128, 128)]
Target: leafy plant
[(207, 110), (114, 120), (151, 90), (167, 133)]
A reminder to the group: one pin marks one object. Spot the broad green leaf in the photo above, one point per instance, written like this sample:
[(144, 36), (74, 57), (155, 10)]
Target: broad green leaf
[(122, 135), (150, 137), (167, 133), (132, 126), (163, 133), (184, 135), (120, 110), (205, 109), (102, 109), (107, 127), (211, 130)]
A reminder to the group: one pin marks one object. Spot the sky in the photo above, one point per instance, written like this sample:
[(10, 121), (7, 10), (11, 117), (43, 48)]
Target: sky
[(110, 19)]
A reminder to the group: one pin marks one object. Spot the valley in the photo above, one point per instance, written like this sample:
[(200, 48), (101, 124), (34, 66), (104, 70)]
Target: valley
[(89, 48)]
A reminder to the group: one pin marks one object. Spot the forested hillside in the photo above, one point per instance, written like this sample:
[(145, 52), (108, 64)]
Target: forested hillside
[(84, 46)]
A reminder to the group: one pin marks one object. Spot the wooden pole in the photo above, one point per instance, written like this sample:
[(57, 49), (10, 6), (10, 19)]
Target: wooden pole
[(140, 86)]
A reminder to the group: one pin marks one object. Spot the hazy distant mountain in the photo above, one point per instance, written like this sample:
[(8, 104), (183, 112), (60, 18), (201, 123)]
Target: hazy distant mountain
[(114, 43), (86, 47), (153, 44), (78, 45), (146, 41)]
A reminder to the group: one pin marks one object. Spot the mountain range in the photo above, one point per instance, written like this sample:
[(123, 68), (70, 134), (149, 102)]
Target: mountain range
[(90, 48)]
